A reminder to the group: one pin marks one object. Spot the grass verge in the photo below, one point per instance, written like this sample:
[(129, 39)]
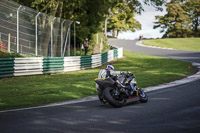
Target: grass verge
[(187, 44), (28, 91)]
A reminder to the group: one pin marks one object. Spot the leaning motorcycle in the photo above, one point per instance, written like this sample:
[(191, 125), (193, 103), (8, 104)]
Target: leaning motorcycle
[(109, 91)]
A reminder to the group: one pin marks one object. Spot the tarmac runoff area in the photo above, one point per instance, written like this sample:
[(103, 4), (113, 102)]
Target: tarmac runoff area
[(186, 80)]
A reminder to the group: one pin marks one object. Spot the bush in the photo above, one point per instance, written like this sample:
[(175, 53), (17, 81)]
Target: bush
[(93, 43), (9, 55)]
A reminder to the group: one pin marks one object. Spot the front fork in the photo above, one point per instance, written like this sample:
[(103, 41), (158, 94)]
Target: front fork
[(117, 92)]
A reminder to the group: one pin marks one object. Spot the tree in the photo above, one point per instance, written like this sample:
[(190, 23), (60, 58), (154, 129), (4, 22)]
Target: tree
[(121, 15), (122, 18), (91, 13), (192, 7), (181, 20)]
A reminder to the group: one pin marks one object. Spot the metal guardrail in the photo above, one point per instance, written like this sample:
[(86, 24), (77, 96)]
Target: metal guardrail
[(10, 67)]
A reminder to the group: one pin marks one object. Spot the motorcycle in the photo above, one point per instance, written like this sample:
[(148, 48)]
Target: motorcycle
[(119, 92)]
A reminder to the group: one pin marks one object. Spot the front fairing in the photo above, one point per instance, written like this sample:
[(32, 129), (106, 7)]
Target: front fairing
[(133, 84), (103, 83), (122, 80), (129, 81)]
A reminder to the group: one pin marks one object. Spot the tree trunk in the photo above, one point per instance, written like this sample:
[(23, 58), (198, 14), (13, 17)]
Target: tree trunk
[(196, 23), (113, 33), (105, 28), (117, 32), (57, 26), (46, 37)]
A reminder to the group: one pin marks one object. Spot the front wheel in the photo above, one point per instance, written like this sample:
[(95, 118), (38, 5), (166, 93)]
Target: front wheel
[(112, 99), (143, 96)]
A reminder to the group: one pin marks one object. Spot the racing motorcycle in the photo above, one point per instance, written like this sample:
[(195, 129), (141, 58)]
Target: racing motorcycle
[(119, 91)]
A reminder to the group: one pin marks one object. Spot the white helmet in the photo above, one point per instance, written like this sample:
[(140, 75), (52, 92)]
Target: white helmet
[(110, 67)]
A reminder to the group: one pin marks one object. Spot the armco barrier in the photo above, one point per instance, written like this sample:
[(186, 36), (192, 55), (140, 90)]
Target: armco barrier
[(96, 60), (72, 63), (104, 58), (38, 65), (28, 66), (53, 64), (7, 67), (86, 62)]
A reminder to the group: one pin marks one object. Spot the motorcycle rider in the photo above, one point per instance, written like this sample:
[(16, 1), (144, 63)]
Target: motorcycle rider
[(109, 72)]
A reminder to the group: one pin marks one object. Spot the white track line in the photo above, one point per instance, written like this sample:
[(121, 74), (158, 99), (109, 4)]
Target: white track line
[(139, 43)]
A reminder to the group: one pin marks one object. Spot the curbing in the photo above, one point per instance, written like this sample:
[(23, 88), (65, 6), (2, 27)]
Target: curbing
[(139, 43)]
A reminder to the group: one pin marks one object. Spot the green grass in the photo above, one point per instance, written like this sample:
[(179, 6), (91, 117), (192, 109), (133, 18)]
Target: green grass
[(27, 91), (187, 44)]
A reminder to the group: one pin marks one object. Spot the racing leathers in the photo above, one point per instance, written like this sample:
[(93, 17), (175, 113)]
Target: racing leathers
[(114, 75), (109, 73)]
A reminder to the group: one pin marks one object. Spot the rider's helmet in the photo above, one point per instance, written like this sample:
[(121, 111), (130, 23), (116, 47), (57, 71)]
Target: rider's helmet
[(110, 67)]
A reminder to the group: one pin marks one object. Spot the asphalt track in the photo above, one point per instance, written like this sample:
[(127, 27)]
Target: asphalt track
[(129, 45), (169, 110)]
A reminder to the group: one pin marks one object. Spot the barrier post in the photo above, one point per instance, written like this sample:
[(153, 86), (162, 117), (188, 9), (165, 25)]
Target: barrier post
[(101, 45), (18, 28), (9, 42), (36, 34)]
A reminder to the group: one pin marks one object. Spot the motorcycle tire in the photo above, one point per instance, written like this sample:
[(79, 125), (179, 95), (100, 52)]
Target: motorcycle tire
[(101, 99), (143, 96), (108, 94)]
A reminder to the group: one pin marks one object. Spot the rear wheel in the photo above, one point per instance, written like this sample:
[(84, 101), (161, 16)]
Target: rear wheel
[(111, 98), (143, 96)]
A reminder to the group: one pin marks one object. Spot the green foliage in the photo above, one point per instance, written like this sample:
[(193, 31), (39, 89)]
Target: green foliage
[(122, 18), (94, 43), (192, 7), (9, 55), (157, 4), (181, 19), (121, 15), (91, 13)]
